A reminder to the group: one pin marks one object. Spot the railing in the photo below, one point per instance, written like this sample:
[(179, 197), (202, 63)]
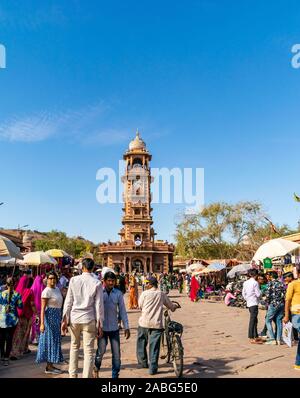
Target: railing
[(117, 246)]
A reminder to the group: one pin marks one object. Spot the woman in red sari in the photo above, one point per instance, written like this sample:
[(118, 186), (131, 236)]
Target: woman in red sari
[(22, 333), (37, 289), (194, 289)]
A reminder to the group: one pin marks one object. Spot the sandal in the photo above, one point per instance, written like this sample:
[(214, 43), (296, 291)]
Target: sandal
[(256, 342), (96, 373)]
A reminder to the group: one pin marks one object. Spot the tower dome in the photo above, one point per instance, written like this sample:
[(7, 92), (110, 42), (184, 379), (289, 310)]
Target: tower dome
[(137, 143)]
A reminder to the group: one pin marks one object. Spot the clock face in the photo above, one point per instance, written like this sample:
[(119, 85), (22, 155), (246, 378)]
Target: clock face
[(137, 240)]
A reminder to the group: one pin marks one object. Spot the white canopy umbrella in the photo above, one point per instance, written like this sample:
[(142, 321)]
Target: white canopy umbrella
[(239, 269), (195, 267), (107, 269), (7, 262), (275, 248), (8, 249), (38, 258)]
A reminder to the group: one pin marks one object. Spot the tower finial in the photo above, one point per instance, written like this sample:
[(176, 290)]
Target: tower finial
[(137, 133)]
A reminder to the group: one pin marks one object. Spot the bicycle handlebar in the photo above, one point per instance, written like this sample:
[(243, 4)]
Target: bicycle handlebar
[(176, 302)]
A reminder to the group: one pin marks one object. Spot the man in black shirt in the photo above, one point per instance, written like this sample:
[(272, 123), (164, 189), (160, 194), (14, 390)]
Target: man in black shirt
[(120, 282)]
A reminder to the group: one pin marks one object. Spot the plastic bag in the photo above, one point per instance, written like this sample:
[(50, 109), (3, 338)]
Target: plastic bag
[(287, 334)]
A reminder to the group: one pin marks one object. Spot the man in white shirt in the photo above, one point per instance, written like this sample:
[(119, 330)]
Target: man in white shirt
[(151, 302), (251, 293), (84, 313)]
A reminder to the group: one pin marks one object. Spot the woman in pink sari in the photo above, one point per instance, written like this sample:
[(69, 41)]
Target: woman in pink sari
[(194, 289), (22, 333), (37, 289)]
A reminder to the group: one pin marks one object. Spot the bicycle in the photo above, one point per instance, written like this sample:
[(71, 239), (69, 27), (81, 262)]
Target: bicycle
[(171, 341)]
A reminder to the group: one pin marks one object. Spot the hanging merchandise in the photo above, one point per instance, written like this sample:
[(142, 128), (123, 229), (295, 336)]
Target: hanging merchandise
[(268, 263), (287, 259), (288, 268)]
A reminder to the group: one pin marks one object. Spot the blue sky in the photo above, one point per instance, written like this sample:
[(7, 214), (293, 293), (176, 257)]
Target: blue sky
[(208, 83)]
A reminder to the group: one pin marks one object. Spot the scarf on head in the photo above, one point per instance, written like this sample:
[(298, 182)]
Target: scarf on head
[(24, 291), (37, 289), (22, 284)]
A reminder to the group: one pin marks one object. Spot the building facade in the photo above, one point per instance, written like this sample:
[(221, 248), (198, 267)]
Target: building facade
[(137, 249), (24, 239)]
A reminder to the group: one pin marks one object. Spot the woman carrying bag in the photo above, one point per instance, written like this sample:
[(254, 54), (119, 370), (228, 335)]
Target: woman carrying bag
[(10, 302)]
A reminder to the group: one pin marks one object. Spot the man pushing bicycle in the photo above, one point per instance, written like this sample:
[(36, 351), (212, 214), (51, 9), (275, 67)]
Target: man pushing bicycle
[(151, 302)]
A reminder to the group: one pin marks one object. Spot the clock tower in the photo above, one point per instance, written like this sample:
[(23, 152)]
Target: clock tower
[(137, 220), (137, 248)]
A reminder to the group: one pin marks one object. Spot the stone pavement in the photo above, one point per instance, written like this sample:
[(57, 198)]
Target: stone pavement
[(215, 343)]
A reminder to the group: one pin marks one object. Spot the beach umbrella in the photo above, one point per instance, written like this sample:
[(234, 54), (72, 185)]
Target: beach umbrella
[(195, 267), (38, 258), (8, 249), (206, 271), (182, 271), (275, 248), (195, 273), (239, 269), (107, 269), (78, 266), (57, 253), (7, 262), (216, 267)]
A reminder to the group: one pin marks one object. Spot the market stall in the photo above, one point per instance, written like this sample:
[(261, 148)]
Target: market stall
[(241, 269), (9, 255), (276, 254), (39, 261), (64, 260), (212, 281)]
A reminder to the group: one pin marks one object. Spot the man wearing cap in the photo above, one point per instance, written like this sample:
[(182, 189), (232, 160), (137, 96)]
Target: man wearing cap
[(120, 280), (151, 302), (288, 277)]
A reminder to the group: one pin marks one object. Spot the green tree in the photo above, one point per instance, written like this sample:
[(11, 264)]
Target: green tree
[(223, 230), (76, 247)]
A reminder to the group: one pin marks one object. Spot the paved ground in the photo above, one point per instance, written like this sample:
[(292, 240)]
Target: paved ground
[(215, 343)]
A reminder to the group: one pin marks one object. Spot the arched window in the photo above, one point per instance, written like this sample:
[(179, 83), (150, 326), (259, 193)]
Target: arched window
[(137, 161)]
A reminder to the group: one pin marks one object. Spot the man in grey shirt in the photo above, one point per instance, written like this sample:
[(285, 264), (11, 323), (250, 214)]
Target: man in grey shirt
[(114, 309), (151, 302)]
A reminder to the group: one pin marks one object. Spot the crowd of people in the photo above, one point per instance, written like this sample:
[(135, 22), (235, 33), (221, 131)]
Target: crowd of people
[(166, 282), (90, 304), (280, 297), (198, 286)]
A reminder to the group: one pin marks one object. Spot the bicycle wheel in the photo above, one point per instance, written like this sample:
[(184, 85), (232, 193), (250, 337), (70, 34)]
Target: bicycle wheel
[(169, 348), (177, 355), (163, 346)]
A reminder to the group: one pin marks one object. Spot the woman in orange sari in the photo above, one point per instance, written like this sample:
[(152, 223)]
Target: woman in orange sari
[(133, 292)]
